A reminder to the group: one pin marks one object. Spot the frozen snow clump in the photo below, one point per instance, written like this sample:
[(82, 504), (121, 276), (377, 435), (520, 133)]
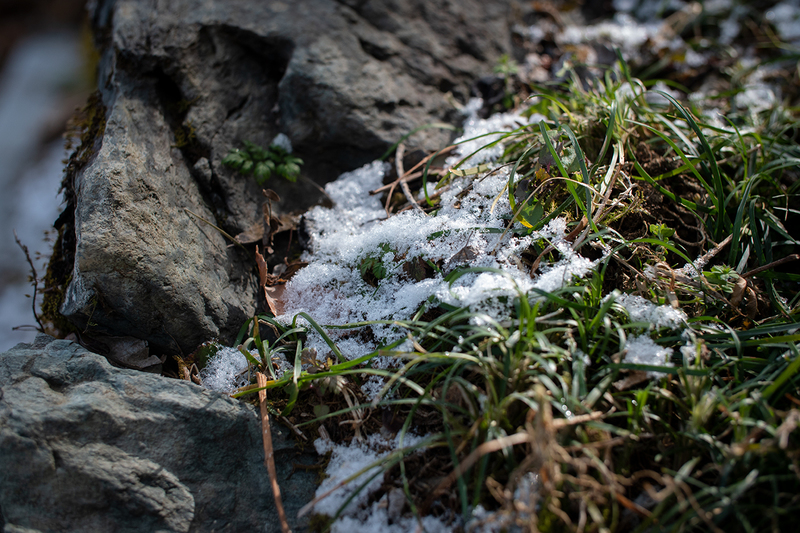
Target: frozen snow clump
[(642, 350), (223, 372), (347, 460), (641, 310)]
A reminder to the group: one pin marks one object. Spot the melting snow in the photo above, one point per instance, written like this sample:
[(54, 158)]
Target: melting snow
[(226, 371), (283, 141), (641, 310), (478, 133), (376, 518), (622, 31), (642, 350), (347, 460), (786, 17), (465, 232)]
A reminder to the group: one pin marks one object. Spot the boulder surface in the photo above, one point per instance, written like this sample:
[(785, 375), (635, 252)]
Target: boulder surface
[(183, 82), (85, 446)]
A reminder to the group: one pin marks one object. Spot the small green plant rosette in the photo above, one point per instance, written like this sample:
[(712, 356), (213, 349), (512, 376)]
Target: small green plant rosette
[(263, 163)]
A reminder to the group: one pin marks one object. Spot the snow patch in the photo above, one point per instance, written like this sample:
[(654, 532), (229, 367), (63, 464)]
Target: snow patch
[(466, 231), (282, 141), (786, 18), (479, 133), (225, 371), (348, 460), (642, 350), (660, 316)]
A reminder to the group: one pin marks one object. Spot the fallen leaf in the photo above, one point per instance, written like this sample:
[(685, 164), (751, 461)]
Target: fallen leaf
[(262, 268), (739, 287), (633, 378), (465, 255), (274, 305), (262, 282), (253, 234)]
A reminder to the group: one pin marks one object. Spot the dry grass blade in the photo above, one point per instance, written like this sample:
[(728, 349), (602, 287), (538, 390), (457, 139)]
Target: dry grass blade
[(485, 448), (220, 230), (269, 454)]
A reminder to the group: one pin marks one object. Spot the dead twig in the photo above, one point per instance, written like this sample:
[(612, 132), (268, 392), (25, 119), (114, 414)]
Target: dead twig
[(34, 279), (398, 162), (269, 454), (701, 261), (787, 259), (398, 158), (411, 173), (484, 449), (403, 177), (294, 428)]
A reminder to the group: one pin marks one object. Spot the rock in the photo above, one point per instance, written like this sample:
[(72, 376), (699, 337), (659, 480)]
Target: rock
[(125, 352), (184, 82), (85, 446)]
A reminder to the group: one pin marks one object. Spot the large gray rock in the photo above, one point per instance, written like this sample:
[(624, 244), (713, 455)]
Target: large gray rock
[(185, 81), (85, 446)]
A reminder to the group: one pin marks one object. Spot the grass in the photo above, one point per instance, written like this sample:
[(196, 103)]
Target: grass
[(540, 419)]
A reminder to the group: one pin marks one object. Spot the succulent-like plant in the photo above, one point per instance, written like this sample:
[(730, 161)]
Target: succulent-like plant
[(264, 162)]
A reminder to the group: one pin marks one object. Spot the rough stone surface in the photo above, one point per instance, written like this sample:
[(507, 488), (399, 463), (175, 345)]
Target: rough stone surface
[(85, 446), (185, 81)]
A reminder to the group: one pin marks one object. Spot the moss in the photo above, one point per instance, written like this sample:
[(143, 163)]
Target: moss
[(86, 129), (185, 136), (87, 126), (56, 280), (319, 522)]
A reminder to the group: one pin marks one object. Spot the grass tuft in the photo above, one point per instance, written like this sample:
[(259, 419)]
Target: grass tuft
[(545, 420)]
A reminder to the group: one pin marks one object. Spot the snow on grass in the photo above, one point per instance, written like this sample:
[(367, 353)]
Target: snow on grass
[(623, 31), (376, 518), (660, 316), (331, 287), (359, 515), (225, 371), (642, 350), (479, 134), (465, 232), (786, 18)]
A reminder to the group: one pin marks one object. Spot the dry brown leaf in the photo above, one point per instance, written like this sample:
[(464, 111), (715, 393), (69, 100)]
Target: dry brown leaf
[(262, 268), (271, 302), (275, 300), (738, 291), (262, 282), (631, 380), (254, 233), (271, 195)]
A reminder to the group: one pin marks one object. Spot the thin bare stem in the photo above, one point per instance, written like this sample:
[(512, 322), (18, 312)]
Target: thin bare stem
[(34, 279)]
